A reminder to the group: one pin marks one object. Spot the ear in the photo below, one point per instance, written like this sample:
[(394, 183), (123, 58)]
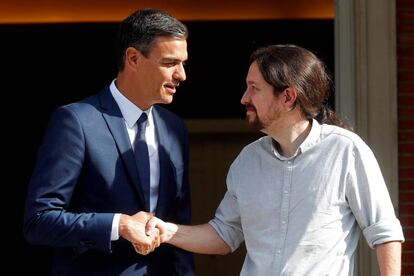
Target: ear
[(290, 96), (132, 57)]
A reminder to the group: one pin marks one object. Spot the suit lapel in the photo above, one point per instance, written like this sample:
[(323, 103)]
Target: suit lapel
[(116, 125), (167, 179)]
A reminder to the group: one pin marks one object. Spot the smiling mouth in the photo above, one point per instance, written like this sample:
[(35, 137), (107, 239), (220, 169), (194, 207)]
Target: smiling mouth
[(171, 88), (250, 108)]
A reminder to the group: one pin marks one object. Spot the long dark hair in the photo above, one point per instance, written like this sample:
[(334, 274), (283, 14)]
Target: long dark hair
[(285, 66)]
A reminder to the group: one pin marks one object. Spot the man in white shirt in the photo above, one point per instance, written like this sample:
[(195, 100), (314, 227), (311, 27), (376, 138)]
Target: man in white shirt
[(300, 196)]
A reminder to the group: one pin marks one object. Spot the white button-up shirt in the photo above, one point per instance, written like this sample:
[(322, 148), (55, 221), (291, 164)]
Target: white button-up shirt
[(302, 215)]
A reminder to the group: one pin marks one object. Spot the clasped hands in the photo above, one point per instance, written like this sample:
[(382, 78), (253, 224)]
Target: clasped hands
[(144, 231)]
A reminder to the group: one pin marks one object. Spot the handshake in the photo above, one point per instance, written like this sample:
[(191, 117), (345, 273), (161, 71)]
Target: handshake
[(145, 232)]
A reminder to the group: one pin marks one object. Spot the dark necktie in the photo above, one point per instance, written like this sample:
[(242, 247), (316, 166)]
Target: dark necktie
[(142, 158)]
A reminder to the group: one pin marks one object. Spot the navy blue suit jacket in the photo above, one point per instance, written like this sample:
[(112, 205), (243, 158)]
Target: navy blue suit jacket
[(86, 172)]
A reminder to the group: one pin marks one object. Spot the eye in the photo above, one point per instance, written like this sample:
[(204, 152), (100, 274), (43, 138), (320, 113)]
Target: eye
[(169, 64)]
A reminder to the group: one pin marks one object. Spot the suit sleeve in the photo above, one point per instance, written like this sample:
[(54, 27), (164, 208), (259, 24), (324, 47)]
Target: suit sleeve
[(47, 220)]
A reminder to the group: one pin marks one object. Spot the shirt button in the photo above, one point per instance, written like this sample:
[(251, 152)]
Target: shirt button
[(278, 252), (289, 162), (285, 192), (283, 221)]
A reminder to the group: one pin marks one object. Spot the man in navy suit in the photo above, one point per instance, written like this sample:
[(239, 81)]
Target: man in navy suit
[(89, 194)]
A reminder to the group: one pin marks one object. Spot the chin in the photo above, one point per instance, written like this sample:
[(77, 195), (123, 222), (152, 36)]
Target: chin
[(167, 99), (254, 123), (251, 119)]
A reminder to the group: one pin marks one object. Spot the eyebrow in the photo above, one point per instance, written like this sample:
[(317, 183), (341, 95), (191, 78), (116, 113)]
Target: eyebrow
[(168, 59)]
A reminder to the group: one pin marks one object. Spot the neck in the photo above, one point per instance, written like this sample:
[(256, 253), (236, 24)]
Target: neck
[(129, 90), (290, 136)]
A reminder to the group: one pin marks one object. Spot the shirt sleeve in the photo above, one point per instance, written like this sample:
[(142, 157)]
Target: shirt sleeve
[(226, 221), (369, 200)]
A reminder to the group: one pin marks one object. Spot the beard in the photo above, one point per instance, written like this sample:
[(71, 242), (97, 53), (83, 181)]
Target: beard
[(262, 123), (253, 120)]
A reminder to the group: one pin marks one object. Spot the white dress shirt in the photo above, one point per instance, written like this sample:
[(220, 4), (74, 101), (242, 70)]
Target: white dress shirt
[(131, 113), (303, 215)]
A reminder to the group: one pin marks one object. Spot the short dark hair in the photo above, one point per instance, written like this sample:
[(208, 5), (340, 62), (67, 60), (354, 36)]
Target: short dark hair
[(140, 29)]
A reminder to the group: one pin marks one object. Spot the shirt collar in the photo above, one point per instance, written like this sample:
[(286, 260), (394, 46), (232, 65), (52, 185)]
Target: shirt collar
[(129, 111), (312, 138)]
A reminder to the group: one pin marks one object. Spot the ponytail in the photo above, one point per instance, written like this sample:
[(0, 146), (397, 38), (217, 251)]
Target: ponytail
[(328, 116)]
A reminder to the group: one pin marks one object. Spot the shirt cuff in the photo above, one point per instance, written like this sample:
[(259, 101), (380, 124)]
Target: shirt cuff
[(115, 227), (230, 238), (383, 231)]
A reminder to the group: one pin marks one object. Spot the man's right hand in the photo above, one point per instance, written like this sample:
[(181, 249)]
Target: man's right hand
[(201, 238), (165, 230), (133, 229)]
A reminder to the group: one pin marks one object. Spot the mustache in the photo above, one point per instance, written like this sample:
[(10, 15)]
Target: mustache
[(250, 107)]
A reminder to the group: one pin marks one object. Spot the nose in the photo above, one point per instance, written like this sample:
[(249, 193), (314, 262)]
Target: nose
[(179, 73), (244, 99)]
